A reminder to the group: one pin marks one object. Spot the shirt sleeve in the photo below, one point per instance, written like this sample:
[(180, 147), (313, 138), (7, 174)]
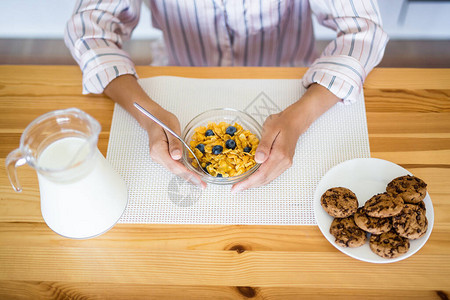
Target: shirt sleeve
[(357, 49), (95, 34)]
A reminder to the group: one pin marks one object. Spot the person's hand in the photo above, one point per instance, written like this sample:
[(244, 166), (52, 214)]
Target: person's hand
[(165, 149), (280, 134), (276, 149)]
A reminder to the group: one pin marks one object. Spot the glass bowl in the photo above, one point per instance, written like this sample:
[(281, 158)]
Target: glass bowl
[(230, 116)]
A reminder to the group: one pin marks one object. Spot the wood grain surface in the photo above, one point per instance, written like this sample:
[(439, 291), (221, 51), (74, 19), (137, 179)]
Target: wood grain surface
[(408, 115)]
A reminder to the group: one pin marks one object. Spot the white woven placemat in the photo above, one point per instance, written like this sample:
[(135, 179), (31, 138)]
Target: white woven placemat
[(157, 196)]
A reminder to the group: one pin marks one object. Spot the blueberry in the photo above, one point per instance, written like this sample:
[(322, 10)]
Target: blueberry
[(247, 149), (217, 149), (219, 175), (206, 167), (209, 132), (231, 130), (230, 144), (201, 147)]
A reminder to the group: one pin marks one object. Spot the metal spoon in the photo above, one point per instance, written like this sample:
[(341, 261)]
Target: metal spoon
[(156, 120)]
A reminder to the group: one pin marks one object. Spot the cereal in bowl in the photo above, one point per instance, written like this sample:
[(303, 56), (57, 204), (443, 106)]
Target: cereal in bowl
[(224, 150)]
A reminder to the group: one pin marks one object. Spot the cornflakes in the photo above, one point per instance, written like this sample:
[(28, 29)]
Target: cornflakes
[(224, 150)]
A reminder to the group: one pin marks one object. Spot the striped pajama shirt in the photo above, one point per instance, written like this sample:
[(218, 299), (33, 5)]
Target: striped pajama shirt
[(233, 33)]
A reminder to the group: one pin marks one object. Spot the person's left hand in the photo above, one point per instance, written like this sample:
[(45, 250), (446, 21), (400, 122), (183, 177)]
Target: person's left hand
[(280, 134)]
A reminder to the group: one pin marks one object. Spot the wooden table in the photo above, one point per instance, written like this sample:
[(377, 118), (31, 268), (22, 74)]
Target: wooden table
[(408, 112)]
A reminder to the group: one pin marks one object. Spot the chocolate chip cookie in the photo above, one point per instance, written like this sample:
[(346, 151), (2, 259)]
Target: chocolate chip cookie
[(411, 222), (371, 224), (421, 204), (383, 205), (339, 202), (410, 188), (389, 244), (346, 232)]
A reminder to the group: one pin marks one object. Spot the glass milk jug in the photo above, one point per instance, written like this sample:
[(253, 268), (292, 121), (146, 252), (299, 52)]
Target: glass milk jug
[(82, 196)]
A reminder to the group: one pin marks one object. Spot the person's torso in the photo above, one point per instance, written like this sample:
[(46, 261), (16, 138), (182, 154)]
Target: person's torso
[(236, 32)]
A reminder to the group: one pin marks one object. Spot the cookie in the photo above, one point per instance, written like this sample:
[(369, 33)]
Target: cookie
[(339, 202), (346, 232), (411, 222), (383, 205), (410, 188), (388, 244), (421, 204), (371, 224)]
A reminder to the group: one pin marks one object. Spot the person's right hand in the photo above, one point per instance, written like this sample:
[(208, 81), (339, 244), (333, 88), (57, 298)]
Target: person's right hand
[(165, 149)]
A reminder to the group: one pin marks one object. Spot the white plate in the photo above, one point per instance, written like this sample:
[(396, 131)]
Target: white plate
[(365, 177)]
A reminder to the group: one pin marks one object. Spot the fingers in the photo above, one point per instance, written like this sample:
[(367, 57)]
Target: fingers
[(179, 169), (162, 156), (175, 146), (267, 172), (159, 145), (269, 134), (279, 161)]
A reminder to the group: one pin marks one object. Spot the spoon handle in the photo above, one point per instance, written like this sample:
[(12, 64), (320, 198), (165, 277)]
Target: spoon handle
[(145, 112), (148, 114)]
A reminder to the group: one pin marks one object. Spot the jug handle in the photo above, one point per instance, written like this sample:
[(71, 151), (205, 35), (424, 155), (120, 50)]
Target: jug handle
[(13, 160)]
